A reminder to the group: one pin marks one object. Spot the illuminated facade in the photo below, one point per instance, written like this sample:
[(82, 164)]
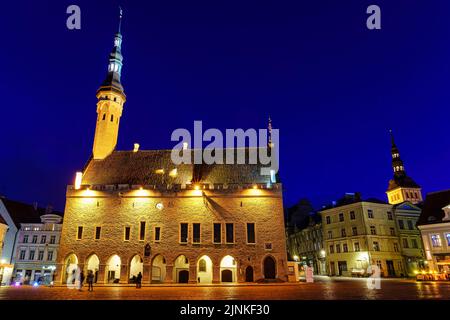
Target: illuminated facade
[(401, 187), (134, 212)]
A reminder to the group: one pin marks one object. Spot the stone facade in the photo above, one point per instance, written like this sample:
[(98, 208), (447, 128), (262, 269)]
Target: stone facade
[(114, 210)]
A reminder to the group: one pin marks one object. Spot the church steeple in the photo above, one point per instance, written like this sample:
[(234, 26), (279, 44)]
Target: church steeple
[(397, 163), (111, 98), (401, 188)]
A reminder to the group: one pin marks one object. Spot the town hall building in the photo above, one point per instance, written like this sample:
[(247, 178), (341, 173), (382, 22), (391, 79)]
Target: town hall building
[(135, 211)]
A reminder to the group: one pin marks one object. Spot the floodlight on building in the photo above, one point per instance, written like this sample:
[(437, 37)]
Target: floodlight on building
[(173, 173), (78, 178), (255, 186), (136, 147)]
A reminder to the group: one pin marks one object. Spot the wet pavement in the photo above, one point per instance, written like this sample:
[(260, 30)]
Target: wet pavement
[(324, 289)]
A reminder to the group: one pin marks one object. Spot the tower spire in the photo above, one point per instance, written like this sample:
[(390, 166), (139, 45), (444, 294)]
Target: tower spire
[(120, 18), (397, 163), (269, 127)]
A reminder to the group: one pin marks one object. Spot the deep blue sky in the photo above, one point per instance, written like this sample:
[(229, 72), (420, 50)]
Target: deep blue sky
[(331, 86)]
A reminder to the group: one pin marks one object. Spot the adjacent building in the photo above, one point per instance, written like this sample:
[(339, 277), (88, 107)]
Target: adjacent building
[(434, 225), (136, 211), (3, 230), (36, 250)]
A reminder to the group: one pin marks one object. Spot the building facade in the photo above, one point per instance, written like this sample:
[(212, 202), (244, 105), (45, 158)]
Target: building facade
[(406, 216), (361, 234), (132, 212), (434, 226), (3, 230), (36, 250)]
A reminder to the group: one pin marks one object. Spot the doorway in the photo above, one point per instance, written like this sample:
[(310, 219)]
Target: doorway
[(390, 268), (269, 268), (249, 274), (342, 266), (227, 276), (183, 276)]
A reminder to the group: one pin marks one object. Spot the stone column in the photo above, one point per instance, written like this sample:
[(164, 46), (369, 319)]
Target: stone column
[(59, 274), (216, 274), (147, 274), (193, 274), (123, 274), (169, 273), (101, 278)]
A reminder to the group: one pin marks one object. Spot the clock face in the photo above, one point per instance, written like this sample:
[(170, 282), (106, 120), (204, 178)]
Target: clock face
[(159, 206)]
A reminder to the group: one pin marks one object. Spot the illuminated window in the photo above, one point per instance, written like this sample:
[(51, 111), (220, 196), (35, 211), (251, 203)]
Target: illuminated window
[(43, 239), (25, 238), (448, 239), (50, 256), (34, 239), (436, 240), (357, 248)]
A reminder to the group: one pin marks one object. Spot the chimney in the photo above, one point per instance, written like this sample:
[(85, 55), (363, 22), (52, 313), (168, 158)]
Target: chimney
[(136, 147)]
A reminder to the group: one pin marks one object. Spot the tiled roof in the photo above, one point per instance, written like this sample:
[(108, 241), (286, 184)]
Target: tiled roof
[(432, 208), (24, 213), (140, 168)]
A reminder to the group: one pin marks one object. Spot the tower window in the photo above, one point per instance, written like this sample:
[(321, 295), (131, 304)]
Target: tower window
[(115, 99), (112, 118), (104, 116)]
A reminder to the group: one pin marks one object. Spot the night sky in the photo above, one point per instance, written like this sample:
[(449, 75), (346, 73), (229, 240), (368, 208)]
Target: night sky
[(331, 86)]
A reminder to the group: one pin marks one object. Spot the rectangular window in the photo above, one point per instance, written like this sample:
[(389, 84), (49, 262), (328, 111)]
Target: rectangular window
[(330, 234), (401, 224), (410, 225), (50, 256), (52, 239), (196, 233), (157, 233), (373, 231), (396, 247), (447, 235), (338, 248), (41, 255), (142, 231), (341, 217), (217, 237), (184, 232), (357, 248), (22, 255), (229, 233), (331, 249), (34, 239), (25, 238), (436, 240), (251, 238), (352, 215), (390, 216), (127, 232), (345, 247), (80, 233), (414, 243), (405, 243), (98, 231), (370, 213), (328, 219), (31, 255), (354, 231), (343, 234), (392, 231), (376, 246), (43, 239)]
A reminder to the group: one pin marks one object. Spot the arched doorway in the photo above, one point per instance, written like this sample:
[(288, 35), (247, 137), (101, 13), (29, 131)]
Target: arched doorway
[(269, 268), (136, 267), (158, 269), (249, 274), (228, 269), (71, 271), (204, 270), (181, 269), (92, 264), (112, 271)]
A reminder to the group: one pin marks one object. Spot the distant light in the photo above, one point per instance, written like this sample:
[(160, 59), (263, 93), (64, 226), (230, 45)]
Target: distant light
[(3, 261), (136, 147), (173, 173), (35, 284), (78, 178), (255, 186), (322, 252), (159, 206), (140, 188), (296, 258), (159, 171), (17, 283), (196, 187)]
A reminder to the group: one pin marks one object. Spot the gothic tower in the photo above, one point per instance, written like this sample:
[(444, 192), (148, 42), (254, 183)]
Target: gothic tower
[(111, 98), (401, 188)]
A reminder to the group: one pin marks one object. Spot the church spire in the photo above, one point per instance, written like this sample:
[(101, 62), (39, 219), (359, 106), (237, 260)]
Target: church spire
[(112, 80), (397, 163)]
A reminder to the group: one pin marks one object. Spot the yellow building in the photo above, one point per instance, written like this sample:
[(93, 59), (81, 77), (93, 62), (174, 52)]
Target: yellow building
[(132, 212), (360, 233), (401, 187), (3, 265)]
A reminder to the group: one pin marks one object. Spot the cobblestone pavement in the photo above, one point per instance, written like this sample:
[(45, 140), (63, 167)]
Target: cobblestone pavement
[(328, 289)]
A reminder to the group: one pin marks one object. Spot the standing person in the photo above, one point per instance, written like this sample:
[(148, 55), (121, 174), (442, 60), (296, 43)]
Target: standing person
[(139, 280), (81, 280), (90, 280)]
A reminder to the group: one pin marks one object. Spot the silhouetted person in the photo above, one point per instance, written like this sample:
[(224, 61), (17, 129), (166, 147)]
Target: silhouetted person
[(139, 280), (90, 280), (81, 280)]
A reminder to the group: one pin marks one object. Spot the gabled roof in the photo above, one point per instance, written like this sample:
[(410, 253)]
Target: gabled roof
[(432, 208), (24, 213), (140, 168), (402, 181)]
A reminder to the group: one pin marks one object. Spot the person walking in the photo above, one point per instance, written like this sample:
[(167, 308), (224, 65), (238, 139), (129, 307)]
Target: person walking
[(90, 280), (81, 280), (139, 281)]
